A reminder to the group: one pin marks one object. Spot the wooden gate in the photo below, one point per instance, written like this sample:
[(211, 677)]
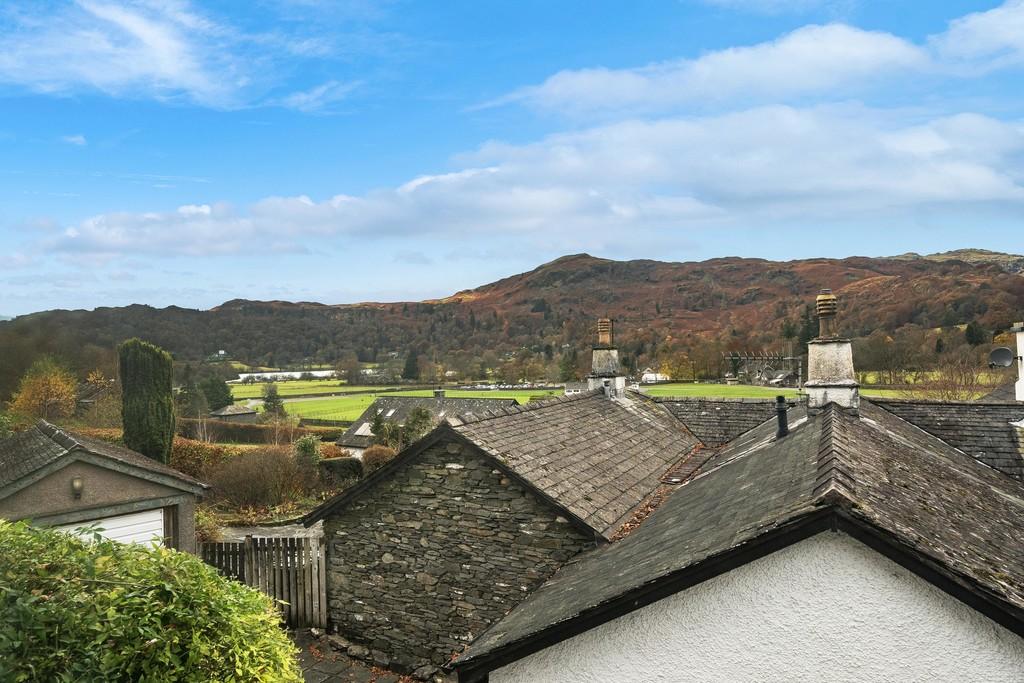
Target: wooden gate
[(290, 570)]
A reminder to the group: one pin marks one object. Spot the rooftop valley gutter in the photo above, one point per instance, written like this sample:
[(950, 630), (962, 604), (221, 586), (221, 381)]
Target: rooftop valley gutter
[(832, 518)]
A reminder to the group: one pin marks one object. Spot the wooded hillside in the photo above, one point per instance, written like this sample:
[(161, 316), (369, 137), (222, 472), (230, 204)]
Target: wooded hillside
[(738, 303)]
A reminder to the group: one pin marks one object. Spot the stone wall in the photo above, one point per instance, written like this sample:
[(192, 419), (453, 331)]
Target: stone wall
[(425, 560)]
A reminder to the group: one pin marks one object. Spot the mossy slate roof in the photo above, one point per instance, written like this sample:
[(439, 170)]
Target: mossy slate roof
[(719, 421), (397, 408), (43, 444), (984, 431), (954, 516), (598, 457)]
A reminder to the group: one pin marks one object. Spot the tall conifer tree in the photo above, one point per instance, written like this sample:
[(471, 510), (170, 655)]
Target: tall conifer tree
[(147, 407)]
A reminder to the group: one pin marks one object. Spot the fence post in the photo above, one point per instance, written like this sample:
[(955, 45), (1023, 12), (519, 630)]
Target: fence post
[(321, 567), (247, 561)]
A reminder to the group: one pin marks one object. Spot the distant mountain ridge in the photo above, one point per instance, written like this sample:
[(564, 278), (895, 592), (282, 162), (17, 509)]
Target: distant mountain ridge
[(740, 302), (1011, 263)]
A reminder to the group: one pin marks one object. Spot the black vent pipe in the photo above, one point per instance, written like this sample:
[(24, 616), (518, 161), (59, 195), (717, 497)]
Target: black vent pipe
[(780, 412)]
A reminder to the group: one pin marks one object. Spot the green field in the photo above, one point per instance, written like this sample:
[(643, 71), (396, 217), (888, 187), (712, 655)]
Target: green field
[(299, 387), (691, 390), (349, 408)]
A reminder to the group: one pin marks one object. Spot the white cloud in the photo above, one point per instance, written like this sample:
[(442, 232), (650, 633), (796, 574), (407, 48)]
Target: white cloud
[(78, 140), (835, 60), (318, 98), (165, 50), (668, 177), (156, 49), (811, 59), (996, 37)]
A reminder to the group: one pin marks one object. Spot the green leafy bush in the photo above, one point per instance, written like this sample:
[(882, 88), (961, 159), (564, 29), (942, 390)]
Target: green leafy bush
[(72, 610), (207, 525), (307, 450)]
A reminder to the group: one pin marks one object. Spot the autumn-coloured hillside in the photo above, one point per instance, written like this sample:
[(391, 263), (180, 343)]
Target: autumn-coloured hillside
[(742, 303)]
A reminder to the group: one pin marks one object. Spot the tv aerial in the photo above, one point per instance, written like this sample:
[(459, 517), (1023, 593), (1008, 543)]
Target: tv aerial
[(1001, 357)]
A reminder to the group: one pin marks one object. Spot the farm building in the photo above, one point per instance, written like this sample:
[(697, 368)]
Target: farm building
[(359, 436), (63, 479), (235, 413), (847, 539)]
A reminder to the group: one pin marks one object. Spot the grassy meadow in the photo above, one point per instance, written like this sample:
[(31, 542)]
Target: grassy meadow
[(349, 408), (300, 387)]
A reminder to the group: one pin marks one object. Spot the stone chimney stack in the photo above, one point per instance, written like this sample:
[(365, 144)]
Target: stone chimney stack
[(1018, 329), (605, 372), (830, 375)]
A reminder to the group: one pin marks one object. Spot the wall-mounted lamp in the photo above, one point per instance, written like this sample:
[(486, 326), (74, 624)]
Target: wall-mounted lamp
[(76, 487)]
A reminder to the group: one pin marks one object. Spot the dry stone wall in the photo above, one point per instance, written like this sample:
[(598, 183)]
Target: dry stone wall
[(424, 561)]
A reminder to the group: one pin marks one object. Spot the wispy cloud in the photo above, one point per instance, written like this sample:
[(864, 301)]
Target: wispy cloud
[(816, 60), (170, 51), (162, 50), (753, 167), (994, 38), (812, 59), (319, 98), (78, 140)]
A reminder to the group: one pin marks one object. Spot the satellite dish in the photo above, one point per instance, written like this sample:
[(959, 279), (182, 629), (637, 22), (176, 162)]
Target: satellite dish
[(1001, 357)]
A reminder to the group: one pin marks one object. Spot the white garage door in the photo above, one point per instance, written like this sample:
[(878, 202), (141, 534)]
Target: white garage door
[(138, 527)]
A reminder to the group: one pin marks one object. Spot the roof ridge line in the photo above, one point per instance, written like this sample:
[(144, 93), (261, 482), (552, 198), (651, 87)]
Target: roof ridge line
[(506, 411), (834, 481), (58, 435)]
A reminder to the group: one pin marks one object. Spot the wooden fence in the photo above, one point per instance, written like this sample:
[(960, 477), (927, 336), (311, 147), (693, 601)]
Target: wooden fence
[(290, 570)]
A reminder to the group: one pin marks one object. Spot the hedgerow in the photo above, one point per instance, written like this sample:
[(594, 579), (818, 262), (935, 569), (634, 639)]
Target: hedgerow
[(74, 610)]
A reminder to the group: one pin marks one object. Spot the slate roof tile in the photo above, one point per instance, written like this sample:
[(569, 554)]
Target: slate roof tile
[(598, 457), (938, 504), (403, 405), (716, 421), (984, 431), (42, 444)]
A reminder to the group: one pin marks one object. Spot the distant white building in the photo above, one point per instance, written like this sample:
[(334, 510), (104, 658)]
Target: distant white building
[(650, 376), (272, 376)]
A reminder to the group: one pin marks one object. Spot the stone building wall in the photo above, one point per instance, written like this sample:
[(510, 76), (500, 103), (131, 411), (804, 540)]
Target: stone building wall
[(425, 560)]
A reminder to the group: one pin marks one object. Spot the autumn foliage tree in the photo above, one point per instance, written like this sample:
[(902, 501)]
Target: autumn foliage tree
[(147, 405), (47, 391)]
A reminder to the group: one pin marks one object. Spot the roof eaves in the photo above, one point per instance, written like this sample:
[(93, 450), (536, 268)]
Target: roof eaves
[(799, 526)]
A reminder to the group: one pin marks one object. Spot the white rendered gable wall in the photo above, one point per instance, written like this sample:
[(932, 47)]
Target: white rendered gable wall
[(825, 609)]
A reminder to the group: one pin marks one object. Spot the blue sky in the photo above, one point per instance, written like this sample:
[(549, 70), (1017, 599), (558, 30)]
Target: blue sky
[(188, 153)]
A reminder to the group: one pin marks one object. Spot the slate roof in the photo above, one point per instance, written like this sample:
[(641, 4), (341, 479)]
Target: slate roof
[(716, 421), (598, 457), (42, 444), (233, 409), (358, 435), (1004, 393), (874, 476), (978, 429)]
